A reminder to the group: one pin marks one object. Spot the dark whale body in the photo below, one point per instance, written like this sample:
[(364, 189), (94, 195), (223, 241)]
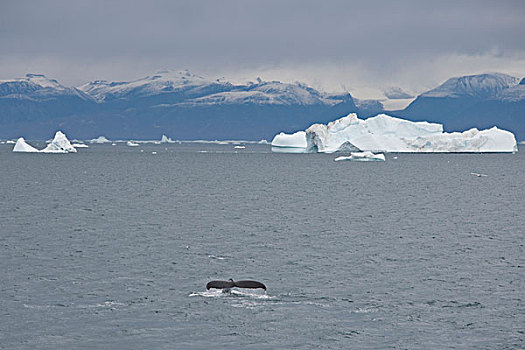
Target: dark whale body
[(231, 283)]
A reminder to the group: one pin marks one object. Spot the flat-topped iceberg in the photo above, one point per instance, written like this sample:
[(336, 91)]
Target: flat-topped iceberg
[(22, 146), (290, 143), (59, 144), (384, 133)]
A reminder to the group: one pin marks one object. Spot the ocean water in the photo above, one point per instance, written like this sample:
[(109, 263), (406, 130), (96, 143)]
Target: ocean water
[(111, 248)]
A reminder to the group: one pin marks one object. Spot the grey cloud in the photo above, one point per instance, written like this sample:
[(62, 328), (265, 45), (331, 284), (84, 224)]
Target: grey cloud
[(215, 35)]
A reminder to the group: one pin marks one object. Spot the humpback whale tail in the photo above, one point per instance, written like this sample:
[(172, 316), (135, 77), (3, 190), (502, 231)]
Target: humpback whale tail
[(231, 283)]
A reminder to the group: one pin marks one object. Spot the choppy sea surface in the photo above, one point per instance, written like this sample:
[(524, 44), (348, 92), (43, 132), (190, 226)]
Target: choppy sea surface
[(111, 248)]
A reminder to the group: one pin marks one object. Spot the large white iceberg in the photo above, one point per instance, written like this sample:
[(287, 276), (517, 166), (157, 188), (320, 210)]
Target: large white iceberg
[(22, 146), (384, 133), (59, 144)]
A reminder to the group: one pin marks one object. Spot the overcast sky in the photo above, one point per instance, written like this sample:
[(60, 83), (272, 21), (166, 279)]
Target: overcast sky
[(360, 46)]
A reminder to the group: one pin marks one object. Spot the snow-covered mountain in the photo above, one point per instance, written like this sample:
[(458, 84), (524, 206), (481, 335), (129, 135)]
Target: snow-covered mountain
[(161, 83), (37, 87), (479, 101), (477, 86), (187, 106), (186, 88), (178, 103)]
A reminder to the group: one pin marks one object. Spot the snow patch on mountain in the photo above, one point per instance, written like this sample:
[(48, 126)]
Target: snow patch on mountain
[(396, 93)]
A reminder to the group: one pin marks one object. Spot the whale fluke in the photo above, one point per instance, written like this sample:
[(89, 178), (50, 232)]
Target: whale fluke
[(231, 283), (249, 284), (220, 284)]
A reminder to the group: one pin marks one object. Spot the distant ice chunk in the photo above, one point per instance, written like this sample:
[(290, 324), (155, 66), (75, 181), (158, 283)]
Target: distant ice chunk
[(384, 133), (362, 157), (290, 143), (59, 144), (100, 139), (132, 144), (166, 139), (22, 146), (79, 145)]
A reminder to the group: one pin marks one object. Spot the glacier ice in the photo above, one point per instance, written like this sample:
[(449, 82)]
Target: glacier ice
[(59, 144), (362, 157), (22, 146), (384, 133)]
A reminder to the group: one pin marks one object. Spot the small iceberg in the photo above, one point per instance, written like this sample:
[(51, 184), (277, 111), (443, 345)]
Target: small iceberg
[(239, 147), (166, 139), (363, 157), (132, 144), (478, 174), (59, 144), (100, 139), (80, 145), (286, 143), (22, 146)]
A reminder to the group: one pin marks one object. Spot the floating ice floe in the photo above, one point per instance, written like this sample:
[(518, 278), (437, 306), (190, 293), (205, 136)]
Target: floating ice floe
[(362, 157), (384, 133), (132, 144), (59, 144), (100, 139), (239, 147)]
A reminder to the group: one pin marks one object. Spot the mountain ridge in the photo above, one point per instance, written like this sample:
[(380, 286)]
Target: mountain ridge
[(187, 106)]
